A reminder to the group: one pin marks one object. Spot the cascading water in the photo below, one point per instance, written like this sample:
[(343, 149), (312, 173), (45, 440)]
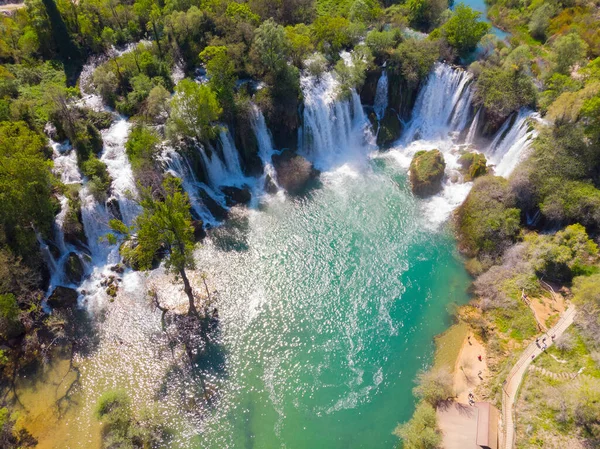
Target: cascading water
[(178, 166), (511, 142), (381, 96), (226, 171), (117, 163), (473, 128), (442, 105), (265, 148), (335, 131), (441, 112)]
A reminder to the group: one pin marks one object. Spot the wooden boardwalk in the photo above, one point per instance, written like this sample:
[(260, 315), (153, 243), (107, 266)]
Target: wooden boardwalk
[(515, 377)]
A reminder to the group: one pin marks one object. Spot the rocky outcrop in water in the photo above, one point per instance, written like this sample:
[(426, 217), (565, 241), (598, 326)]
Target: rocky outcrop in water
[(74, 269), (473, 165), (426, 172), (62, 298), (390, 129), (236, 195), (294, 173)]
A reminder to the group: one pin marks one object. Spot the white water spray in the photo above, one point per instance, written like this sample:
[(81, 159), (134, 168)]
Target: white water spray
[(265, 147), (442, 105), (512, 141), (335, 131), (381, 96)]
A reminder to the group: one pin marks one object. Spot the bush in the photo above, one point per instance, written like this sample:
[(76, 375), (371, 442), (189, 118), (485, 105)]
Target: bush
[(464, 30), (568, 51), (421, 432), (504, 91), (487, 221), (434, 387), (562, 256), (99, 179), (414, 58), (586, 295)]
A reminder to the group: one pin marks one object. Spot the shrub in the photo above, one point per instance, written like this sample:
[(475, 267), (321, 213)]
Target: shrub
[(503, 91), (434, 387), (464, 30), (487, 221), (421, 432), (563, 255)]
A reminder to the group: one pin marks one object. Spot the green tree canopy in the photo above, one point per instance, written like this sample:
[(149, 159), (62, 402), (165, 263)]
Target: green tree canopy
[(464, 30), (25, 185), (194, 111)]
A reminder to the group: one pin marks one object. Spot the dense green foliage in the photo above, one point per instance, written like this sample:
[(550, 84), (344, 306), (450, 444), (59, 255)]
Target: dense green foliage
[(488, 221), (123, 429), (421, 432)]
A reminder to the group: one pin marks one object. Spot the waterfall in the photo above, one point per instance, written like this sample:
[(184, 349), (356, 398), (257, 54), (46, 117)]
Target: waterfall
[(226, 171), (381, 96), (117, 163), (511, 142), (265, 147), (179, 167), (335, 131), (442, 105), (473, 128), (230, 155)]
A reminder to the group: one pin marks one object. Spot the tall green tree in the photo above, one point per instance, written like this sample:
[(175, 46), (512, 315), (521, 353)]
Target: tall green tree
[(165, 224), (464, 30), (25, 185), (194, 111)]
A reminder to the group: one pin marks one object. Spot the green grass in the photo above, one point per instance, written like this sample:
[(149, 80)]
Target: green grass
[(516, 322), (577, 358)]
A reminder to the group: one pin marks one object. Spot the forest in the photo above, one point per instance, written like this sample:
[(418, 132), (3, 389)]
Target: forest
[(184, 72)]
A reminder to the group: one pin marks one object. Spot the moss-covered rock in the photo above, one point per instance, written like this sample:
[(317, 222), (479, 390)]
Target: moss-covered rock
[(74, 269), (426, 172), (390, 129), (294, 173), (473, 165)]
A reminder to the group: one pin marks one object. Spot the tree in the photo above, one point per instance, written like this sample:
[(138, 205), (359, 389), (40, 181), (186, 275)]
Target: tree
[(163, 225), (434, 387), (425, 14), (124, 429), (568, 51), (487, 221), (221, 70), (421, 432), (464, 30), (270, 47), (586, 295), (194, 111), (565, 254), (540, 20), (25, 185), (503, 91), (414, 58), (156, 106)]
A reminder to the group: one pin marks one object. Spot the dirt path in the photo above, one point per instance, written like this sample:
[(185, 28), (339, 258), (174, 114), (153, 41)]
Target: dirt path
[(469, 371), (515, 377)]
